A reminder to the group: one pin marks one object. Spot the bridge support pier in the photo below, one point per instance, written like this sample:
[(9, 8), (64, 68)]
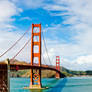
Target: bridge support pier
[(35, 79), (4, 77), (57, 75)]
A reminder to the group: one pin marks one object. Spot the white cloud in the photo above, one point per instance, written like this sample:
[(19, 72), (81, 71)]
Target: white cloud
[(27, 4), (53, 7), (25, 18), (85, 59), (7, 10), (7, 39), (74, 55), (8, 32), (77, 54), (80, 63)]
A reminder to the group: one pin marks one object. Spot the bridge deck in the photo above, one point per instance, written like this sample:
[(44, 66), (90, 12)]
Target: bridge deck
[(3, 66), (4, 72)]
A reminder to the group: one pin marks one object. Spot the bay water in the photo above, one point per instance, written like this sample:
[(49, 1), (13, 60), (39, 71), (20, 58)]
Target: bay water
[(73, 84)]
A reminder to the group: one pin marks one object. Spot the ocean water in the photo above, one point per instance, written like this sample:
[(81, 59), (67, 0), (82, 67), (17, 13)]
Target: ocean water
[(74, 84)]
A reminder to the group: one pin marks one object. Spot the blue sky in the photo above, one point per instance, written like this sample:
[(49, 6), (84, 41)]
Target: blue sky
[(66, 25), (42, 16)]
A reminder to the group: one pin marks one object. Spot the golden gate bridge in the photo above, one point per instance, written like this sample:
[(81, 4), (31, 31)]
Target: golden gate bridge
[(35, 68)]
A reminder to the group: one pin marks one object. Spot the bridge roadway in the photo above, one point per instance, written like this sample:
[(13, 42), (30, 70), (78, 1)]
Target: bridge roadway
[(4, 83), (3, 66)]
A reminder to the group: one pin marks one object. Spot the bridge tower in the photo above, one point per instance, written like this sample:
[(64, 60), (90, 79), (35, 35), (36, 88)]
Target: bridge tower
[(57, 66), (35, 78)]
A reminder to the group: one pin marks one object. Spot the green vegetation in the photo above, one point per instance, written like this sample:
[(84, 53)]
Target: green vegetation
[(26, 73), (50, 74)]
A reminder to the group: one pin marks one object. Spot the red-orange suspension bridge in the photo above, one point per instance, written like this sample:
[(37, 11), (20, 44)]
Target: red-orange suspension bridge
[(35, 76)]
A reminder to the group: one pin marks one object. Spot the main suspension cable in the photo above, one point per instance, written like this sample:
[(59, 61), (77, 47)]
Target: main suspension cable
[(14, 43), (20, 50)]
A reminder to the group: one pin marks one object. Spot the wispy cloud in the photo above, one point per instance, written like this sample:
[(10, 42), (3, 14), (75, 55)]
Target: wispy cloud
[(7, 10), (29, 3), (72, 37), (8, 32), (25, 18), (79, 16)]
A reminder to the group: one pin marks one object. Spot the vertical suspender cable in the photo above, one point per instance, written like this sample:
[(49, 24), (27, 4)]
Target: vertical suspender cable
[(46, 49)]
